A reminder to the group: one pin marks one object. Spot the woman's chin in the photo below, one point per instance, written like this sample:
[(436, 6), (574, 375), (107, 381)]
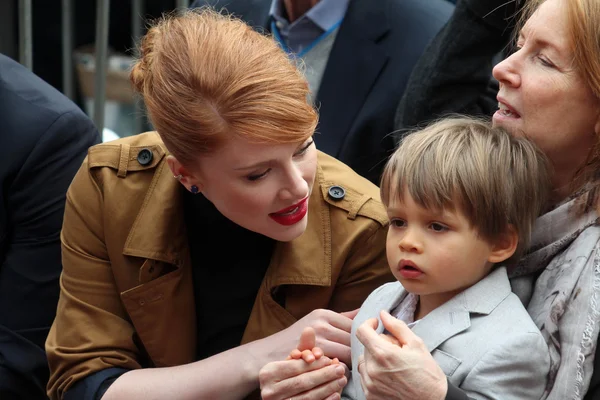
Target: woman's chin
[(283, 233), (513, 125)]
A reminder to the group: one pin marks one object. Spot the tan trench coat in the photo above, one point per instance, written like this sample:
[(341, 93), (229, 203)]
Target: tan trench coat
[(126, 290)]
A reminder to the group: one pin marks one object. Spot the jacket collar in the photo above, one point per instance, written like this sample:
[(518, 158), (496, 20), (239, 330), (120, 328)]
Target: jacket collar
[(454, 316), (159, 229), (288, 264)]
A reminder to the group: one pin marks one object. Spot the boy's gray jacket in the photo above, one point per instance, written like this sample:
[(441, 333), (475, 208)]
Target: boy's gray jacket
[(483, 339)]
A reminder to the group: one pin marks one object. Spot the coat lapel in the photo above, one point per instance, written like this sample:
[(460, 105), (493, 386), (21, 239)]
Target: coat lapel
[(287, 266), (355, 62), (454, 316), (162, 307), (162, 211), (442, 323)]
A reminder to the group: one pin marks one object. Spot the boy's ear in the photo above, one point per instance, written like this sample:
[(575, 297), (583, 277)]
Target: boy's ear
[(504, 246)]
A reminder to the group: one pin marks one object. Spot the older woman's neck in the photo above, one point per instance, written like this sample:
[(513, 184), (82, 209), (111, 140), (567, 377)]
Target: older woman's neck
[(563, 184), (296, 8)]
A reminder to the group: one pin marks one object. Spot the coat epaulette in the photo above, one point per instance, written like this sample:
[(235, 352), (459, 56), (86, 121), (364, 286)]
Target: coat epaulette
[(134, 153), (343, 188)]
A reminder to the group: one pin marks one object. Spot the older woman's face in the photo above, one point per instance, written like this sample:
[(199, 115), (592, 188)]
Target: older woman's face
[(261, 187), (543, 96)]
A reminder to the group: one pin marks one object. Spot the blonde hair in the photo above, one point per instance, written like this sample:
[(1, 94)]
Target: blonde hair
[(205, 76), (462, 164)]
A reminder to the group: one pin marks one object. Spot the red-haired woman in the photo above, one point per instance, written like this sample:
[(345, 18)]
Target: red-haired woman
[(196, 254)]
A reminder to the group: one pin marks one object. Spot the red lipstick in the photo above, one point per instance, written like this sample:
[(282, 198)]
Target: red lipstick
[(292, 214)]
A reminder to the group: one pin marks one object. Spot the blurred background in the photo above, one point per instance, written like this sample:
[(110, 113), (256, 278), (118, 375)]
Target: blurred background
[(61, 39), (58, 40)]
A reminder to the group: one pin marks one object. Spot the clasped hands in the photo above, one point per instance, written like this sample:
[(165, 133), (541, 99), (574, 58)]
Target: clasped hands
[(393, 366)]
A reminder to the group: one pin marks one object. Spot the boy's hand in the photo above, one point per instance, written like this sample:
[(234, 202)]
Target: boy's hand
[(306, 372), (306, 347)]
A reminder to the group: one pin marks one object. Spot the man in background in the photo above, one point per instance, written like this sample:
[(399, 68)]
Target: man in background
[(44, 137)]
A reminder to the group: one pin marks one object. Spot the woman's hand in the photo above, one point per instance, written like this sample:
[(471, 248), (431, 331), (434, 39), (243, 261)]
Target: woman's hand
[(299, 380), (398, 369), (332, 332), (306, 374)]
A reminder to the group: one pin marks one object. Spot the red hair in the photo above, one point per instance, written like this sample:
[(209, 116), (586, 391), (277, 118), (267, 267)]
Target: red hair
[(205, 76)]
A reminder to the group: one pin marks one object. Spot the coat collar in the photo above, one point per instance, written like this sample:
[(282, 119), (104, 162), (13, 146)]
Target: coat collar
[(159, 229), (287, 266), (455, 315), (159, 233)]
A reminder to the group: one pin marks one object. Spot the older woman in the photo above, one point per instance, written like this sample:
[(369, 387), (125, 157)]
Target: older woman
[(196, 254), (550, 91)]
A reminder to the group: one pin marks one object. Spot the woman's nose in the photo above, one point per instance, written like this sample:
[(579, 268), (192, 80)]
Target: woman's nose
[(506, 71), (295, 187)]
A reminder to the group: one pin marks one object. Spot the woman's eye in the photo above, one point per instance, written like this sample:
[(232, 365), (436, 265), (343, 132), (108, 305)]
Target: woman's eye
[(255, 177), (516, 48), (545, 62), (437, 227), (304, 148), (398, 223)]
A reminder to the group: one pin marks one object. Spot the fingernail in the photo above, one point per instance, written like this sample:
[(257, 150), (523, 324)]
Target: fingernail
[(339, 370), (342, 382)]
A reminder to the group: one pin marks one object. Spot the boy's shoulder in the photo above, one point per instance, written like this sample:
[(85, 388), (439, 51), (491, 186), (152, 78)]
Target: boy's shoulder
[(494, 310), (494, 340), (496, 352), (497, 306)]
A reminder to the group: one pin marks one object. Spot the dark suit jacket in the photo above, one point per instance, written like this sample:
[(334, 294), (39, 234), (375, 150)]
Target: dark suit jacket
[(375, 50), (43, 140)]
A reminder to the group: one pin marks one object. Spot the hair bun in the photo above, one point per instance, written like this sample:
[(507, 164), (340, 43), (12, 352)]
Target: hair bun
[(140, 71)]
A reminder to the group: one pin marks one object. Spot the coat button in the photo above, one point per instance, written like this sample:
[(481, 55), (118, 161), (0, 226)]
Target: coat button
[(144, 157), (337, 192)]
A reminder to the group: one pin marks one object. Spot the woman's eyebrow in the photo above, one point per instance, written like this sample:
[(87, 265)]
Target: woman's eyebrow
[(256, 165), (540, 41)]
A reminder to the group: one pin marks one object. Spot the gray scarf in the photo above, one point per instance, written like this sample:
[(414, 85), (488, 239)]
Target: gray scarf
[(564, 299)]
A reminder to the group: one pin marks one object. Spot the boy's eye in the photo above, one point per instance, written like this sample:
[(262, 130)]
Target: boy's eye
[(397, 223), (437, 227)]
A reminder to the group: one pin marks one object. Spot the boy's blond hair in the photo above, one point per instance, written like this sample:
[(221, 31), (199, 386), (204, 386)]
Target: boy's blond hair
[(463, 164)]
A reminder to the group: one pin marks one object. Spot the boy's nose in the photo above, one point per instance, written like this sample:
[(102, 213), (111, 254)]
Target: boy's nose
[(410, 242)]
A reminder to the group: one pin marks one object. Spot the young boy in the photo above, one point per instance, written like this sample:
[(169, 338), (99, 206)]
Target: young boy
[(462, 198)]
